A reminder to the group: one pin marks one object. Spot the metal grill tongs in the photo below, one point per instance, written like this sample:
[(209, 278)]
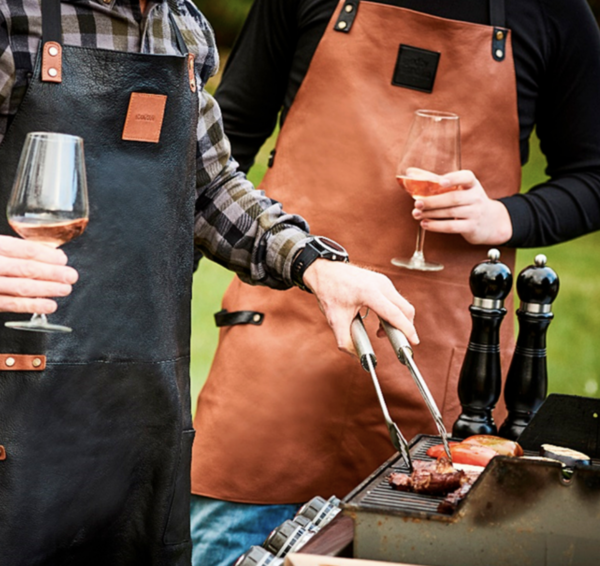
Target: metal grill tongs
[(368, 361), (405, 354)]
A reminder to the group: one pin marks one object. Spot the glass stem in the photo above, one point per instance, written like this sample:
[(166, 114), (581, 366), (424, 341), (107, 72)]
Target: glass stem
[(39, 317), (418, 255)]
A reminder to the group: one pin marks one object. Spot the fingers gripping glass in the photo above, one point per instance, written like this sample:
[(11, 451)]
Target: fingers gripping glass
[(432, 149), (48, 202)]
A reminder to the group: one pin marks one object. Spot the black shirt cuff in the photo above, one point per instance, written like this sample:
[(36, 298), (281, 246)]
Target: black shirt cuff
[(520, 218)]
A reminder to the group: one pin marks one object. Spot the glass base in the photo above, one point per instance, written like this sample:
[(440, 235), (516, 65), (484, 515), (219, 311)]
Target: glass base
[(417, 264), (37, 323)]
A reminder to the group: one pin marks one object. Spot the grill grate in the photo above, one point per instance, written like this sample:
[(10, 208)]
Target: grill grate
[(383, 496), (376, 494)]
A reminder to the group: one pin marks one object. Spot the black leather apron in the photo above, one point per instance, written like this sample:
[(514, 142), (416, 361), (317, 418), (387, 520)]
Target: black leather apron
[(94, 468)]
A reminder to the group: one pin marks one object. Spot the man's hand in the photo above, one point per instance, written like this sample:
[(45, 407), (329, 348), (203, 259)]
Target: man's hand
[(342, 289), (30, 273), (468, 212)]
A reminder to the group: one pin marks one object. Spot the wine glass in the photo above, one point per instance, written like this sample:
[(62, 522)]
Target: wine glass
[(432, 149), (49, 201)]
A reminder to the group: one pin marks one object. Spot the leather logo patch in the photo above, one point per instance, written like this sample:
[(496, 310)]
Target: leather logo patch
[(144, 117), (416, 68)]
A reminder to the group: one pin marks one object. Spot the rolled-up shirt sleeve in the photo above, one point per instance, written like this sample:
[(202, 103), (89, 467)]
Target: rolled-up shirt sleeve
[(236, 225)]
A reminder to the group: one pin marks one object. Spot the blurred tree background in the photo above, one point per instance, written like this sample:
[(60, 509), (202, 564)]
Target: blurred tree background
[(595, 4), (573, 354), (226, 17)]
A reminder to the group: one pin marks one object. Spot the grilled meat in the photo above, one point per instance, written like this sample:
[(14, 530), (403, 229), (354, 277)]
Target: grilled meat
[(430, 478), (451, 501)]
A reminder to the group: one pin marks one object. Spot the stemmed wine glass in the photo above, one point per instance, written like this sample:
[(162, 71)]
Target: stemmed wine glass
[(432, 149), (49, 201)]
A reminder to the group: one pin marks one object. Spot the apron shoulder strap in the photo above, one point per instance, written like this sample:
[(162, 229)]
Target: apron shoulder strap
[(51, 50), (497, 14), (51, 28), (350, 8), (347, 15), (178, 35), (499, 34)]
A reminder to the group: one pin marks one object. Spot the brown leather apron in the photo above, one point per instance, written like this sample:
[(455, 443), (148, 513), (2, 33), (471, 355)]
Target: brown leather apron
[(284, 415)]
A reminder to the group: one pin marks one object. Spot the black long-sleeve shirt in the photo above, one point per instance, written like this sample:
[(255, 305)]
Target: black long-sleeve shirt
[(556, 46)]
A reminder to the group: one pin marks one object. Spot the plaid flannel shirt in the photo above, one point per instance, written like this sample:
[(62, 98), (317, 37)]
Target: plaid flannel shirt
[(236, 225)]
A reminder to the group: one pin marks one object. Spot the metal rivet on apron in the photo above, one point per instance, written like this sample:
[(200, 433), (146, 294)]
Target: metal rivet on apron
[(499, 35), (342, 25), (53, 51), (10, 362), (2, 453), (348, 8), (52, 72), (256, 318), (499, 53), (36, 362)]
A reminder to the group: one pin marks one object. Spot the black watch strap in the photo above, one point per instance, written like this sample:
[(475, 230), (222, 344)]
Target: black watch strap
[(304, 259), (314, 250)]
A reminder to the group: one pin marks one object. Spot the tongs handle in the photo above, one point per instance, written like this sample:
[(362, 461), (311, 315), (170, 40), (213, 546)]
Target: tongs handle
[(398, 341), (368, 361), (363, 345)]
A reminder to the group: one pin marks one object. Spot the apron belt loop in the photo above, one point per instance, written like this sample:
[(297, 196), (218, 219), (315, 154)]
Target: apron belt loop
[(51, 42), (347, 15), (500, 33), (226, 318)]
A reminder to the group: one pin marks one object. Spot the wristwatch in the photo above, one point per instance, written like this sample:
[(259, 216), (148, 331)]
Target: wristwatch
[(317, 248)]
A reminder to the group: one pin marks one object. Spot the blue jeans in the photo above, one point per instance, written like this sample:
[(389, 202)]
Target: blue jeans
[(222, 531)]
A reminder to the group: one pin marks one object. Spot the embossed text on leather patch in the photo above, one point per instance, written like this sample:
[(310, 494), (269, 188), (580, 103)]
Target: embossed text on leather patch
[(144, 117), (416, 68)]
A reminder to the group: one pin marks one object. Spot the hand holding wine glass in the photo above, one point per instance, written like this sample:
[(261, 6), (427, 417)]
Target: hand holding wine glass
[(48, 202), (470, 212), (432, 149), (31, 275)]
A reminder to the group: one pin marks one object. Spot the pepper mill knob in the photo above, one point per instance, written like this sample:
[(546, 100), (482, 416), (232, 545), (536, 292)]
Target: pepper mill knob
[(479, 384), (527, 380), (491, 280), (537, 284)]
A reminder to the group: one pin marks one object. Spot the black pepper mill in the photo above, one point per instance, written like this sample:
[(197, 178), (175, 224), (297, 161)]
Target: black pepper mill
[(480, 383), (527, 380)]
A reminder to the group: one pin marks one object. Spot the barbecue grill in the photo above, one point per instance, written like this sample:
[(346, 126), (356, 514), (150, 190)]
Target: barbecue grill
[(518, 512)]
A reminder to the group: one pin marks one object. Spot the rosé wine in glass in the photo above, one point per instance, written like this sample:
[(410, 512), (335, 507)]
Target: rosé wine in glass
[(432, 149), (48, 202)]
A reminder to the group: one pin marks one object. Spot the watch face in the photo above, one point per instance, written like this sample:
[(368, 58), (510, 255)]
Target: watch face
[(330, 244)]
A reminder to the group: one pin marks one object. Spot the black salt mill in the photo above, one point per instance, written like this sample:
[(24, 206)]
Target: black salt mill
[(527, 381), (480, 381)]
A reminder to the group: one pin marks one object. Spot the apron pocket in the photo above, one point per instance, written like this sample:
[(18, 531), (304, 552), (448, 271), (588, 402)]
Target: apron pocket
[(177, 529)]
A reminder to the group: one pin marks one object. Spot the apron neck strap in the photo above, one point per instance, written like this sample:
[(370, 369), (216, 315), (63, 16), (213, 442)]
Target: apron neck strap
[(51, 28), (350, 8), (497, 14), (178, 35)]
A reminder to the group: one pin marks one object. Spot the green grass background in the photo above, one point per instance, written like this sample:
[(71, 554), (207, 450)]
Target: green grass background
[(573, 350)]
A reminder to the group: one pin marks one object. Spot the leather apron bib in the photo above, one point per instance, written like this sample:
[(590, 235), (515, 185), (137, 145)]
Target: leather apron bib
[(98, 444), (284, 415)]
